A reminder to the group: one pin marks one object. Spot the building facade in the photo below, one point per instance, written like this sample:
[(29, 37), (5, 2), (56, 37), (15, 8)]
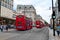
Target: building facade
[(27, 10), (57, 11), (7, 4), (6, 11), (38, 17)]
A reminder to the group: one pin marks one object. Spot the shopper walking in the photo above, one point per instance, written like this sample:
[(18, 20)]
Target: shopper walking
[(7, 28), (58, 29), (2, 28)]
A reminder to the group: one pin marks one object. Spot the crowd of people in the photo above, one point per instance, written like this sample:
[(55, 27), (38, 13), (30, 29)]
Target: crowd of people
[(5, 27), (56, 27)]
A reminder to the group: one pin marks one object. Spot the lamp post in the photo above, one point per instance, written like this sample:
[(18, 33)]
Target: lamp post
[(53, 17)]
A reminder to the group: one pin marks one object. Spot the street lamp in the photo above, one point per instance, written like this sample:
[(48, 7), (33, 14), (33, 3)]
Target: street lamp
[(53, 17)]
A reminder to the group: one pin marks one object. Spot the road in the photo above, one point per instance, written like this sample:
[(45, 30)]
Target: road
[(34, 34)]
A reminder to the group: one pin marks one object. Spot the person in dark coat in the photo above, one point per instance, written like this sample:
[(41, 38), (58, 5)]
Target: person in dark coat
[(2, 28), (6, 28), (58, 29)]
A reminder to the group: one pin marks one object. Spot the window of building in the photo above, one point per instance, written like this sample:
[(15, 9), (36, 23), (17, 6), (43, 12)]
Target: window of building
[(14, 16), (1, 3), (5, 5), (25, 7), (9, 7), (30, 7), (2, 0), (12, 5), (5, 1), (19, 7), (10, 0)]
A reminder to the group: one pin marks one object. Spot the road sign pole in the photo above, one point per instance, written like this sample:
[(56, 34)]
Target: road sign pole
[(53, 17), (53, 27)]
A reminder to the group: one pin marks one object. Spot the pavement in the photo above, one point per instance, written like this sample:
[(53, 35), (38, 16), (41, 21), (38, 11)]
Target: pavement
[(4, 35), (33, 34), (51, 37)]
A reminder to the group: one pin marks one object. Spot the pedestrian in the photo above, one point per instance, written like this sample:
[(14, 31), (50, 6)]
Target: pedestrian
[(9, 26), (6, 28), (2, 28), (58, 29)]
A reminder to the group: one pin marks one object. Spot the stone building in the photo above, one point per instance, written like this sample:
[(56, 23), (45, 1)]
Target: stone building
[(27, 10), (6, 11), (57, 11), (7, 4)]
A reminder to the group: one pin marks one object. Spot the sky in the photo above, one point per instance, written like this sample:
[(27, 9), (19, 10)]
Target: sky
[(43, 7)]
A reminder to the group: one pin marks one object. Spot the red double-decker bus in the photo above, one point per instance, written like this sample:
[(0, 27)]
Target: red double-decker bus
[(28, 23), (23, 23), (39, 24), (20, 22)]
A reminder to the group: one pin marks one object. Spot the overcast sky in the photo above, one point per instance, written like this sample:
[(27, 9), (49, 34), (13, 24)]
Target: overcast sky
[(41, 6)]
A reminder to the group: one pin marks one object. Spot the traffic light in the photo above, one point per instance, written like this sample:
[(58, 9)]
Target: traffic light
[(53, 15)]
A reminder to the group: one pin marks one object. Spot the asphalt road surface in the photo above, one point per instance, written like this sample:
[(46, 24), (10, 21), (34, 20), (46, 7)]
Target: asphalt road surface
[(33, 34)]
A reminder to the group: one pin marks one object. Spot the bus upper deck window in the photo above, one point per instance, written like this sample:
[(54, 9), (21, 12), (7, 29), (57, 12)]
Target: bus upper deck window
[(20, 16)]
